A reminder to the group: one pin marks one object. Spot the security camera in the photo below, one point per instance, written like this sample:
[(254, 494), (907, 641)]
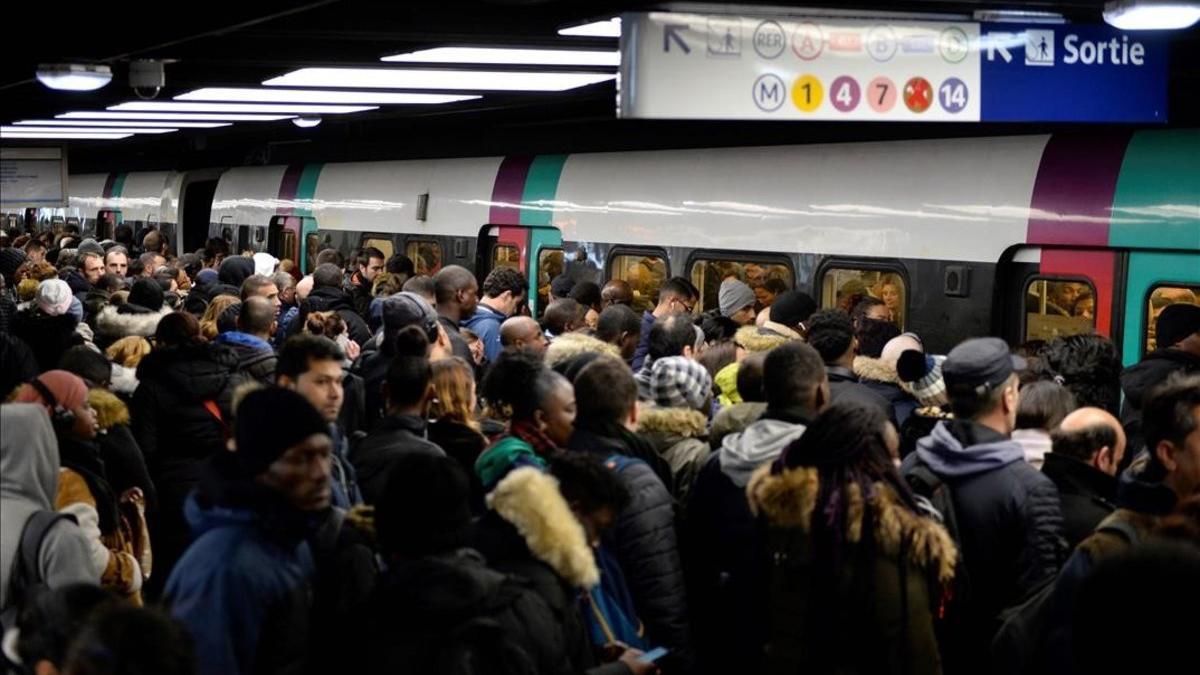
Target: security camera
[(146, 78)]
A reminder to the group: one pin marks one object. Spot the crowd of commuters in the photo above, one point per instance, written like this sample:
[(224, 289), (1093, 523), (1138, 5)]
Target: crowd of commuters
[(211, 464)]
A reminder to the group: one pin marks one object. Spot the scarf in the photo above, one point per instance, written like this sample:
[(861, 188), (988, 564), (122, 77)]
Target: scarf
[(528, 432)]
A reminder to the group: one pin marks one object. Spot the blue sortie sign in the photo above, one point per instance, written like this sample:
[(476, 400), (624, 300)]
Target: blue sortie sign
[(1071, 73)]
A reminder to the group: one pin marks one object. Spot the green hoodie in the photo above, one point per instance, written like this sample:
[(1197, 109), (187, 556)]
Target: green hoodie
[(507, 453)]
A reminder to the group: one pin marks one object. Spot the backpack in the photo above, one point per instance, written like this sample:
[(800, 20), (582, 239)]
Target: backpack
[(26, 576), (925, 483)]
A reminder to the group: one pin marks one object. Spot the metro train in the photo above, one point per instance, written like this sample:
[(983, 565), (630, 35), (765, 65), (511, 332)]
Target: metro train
[(974, 236)]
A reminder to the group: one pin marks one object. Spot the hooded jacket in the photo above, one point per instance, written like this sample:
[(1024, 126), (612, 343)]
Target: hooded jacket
[(732, 419), (394, 437), (28, 484), (1137, 381), (880, 377), (123, 460), (570, 345), (330, 299), (1009, 520), (678, 435), (112, 324), (256, 357)]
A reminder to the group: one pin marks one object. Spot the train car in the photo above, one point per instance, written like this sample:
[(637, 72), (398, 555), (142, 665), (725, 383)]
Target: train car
[(1028, 237)]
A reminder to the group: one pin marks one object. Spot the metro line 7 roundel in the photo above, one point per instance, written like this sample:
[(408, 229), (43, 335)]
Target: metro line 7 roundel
[(918, 94)]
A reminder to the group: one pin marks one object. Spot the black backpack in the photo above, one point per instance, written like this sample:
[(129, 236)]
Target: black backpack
[(929, 485), (26, 576)]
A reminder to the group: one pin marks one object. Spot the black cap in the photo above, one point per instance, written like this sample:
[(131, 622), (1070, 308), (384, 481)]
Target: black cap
[(1176, 323), (269, 421), (409, 309), (980, 362)]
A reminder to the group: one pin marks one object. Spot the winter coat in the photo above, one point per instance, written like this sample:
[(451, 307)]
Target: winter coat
[(570, 345), (486, 324), (881, 378), (1009, 521), (371, 369), (256, 358), (359, 292), (875, 613), (17, 363), (1137, 381), (48, 337), (458, 346), (123, 461), (645, 544), (177, 432), (762, 338), (465, 445), (844, 385), (919, 425), (28, 484), (679, 436), (243, 588), (643, 347), (733, 419), (1087, 495), (394, 437), (329, 299), (112, 324)]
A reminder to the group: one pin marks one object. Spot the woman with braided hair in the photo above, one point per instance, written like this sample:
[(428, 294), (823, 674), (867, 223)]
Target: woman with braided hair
[(857, 570)]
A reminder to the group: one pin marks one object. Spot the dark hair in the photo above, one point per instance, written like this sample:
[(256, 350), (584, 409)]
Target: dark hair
[(1089, 366), (327, 275), (299, 351), (421, 285), (330, 256), (520, 382), (776, 286), (605, 392), (586, 293), (369, 252), (718, 328), (791, 374), (121, 639), (750, 377), (51, 618), (669, 335), (716, 357), (409, 374), (617, 319), (177, 329), (254, 283), (831, 333), (87, 363), (123, 233), (449, 281), (561, 314), (678, 287), (212, 248), (135, 267), (504, 279), (255, 315), (34, 245), (1083, 443), (147, 258), (400, 264), (584, 479), (1044, 405), (111, 282), (1168, 412), (864, 305), (873, 334), (190, 264)]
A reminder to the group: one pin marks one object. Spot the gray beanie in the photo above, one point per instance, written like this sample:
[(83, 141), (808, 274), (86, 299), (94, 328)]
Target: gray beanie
[(734, 295), (89, 245)]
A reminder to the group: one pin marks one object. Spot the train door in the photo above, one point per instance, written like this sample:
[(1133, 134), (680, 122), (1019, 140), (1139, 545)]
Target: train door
[(293, 238), (1155, 279), (106, 223), (519, 247), (1050, 292)]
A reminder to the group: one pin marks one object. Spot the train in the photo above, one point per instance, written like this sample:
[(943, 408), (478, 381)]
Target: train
[(963, 237)]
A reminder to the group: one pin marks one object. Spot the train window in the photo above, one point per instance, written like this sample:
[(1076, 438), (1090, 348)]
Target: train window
[(644, 273), (287, 246), (765, 277), (312, 244), (73, 222), (243, 239), (426, 256), (550, 265), (1162, 297), (504, 255), (1058, 307), (384, 245), (844, 287)]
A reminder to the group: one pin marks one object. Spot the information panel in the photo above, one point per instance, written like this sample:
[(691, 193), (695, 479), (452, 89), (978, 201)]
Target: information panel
[(692, 66), (33, 177)]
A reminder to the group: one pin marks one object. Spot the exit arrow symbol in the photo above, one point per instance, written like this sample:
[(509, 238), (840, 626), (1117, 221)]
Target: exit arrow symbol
[(671, 33)]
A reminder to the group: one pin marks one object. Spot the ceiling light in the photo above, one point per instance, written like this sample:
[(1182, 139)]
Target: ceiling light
[(609, 29), (306, 122), (74, 76), (533, 57), (202, 117), (384, 78), (1151, 14), (131, 123), (87, 130), (178, 106), (1017, 16), (56, 135), (318, 96)]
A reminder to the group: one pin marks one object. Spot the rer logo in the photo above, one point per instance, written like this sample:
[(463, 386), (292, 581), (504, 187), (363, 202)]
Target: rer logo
[(1039, 47), (769, 92)]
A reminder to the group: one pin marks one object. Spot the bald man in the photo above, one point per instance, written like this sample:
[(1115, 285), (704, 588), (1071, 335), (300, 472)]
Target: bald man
[(1086, 451), (522, 332), (616, 292)]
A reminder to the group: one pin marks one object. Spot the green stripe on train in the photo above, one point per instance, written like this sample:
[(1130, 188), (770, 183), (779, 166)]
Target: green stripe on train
[(541, 187), (1157, 202)]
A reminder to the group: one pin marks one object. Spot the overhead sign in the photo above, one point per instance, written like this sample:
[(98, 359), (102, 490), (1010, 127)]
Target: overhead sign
[(691, 66), (33, 177)]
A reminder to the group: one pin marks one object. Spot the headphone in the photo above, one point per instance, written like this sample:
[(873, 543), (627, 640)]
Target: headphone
[(61, 417)]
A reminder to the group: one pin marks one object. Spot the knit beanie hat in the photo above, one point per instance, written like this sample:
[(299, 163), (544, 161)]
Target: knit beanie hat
[(10, 259), (1175, 323), (235, 269), (146, 293), (54, 297), (792, 308), (407, 309), (921, 376), (734, 295), (269, 421), (679, 382), (206, 277), (425, 506), (89, 245), (68, 389)]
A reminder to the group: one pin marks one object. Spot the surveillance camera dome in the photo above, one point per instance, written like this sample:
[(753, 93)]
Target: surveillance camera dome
[(147, 78)]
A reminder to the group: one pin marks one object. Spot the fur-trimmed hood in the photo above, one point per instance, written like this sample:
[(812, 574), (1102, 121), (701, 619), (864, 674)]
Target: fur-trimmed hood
[(683, 422), (110, 410), (877, 370), (529, 500), (788, 499), (760, 339), (111, 324), (568, 345)]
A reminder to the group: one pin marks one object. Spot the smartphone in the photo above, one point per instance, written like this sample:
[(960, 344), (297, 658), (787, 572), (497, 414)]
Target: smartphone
[(653, 655)]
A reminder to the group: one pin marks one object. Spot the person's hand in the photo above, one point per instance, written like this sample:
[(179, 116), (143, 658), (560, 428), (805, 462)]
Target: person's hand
[(352, 350), (630, 658)]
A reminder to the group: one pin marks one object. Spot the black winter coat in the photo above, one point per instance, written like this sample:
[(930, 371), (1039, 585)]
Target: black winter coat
[(1087, 495), (1137, 381), (328, 299), (844, 385), (395, 437), (48, 336), (465, 445), (17, 364), (645, 543)]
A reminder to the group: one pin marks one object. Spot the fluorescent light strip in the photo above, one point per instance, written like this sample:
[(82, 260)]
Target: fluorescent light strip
[(317, 96), (383, 78), (87, 129), (90, 115), (139, 123), (177, 106), (533, 57), (94, 136), (610, 29)]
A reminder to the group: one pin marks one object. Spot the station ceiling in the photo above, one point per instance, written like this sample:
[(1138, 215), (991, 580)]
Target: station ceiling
[(220, 43)]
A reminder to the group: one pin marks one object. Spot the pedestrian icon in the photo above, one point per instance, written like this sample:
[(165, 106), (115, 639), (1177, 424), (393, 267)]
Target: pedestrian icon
[(724, 37), (1039, 48)]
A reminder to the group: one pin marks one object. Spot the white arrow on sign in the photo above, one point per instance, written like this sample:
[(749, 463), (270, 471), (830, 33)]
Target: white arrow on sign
[(998, 42)]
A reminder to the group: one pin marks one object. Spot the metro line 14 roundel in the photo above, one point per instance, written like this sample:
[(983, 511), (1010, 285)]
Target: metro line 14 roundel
[(918, 94)]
